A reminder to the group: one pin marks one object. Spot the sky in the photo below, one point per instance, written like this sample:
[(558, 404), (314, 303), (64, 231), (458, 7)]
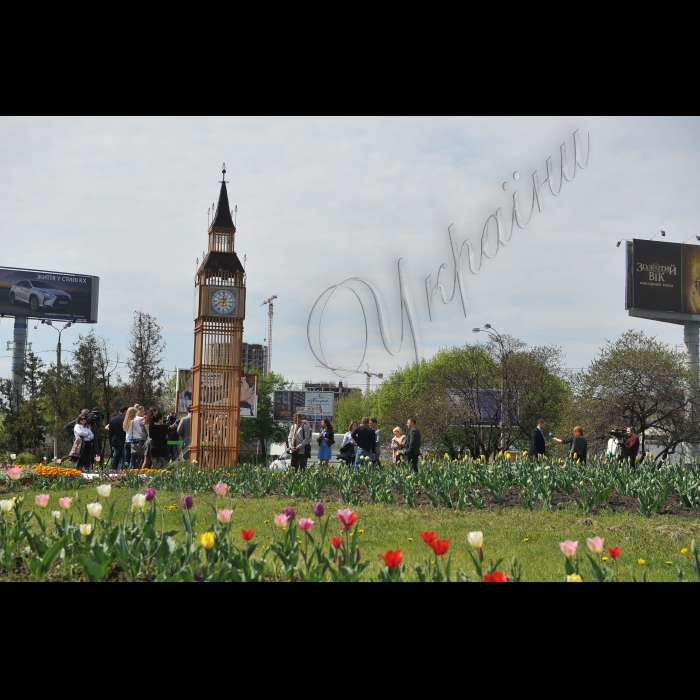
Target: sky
[(322, 200)]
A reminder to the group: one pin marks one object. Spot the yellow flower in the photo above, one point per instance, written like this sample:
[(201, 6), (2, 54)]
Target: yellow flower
[(410, 539), (432, 562), (527, 539), (207, 540), (284, 529), (351, 534), (684, 550), (641, 561), (574, 578), (670, 563), (266, 522), (603, 558), (362, 532)]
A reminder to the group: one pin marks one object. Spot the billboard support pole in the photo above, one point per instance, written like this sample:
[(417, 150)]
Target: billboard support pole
[(691, 338), (19, 354)]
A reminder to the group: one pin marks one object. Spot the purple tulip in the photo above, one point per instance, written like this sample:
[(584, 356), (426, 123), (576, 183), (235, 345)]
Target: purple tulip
[(150, 494), (187, 502), (289, 512), (319, 510)]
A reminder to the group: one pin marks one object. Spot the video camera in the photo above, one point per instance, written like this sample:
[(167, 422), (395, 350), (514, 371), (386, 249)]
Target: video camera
[(619, 434), (94, 417)]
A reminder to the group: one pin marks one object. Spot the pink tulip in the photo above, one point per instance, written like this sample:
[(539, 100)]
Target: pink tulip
[(42, 499), (14, 473), (568, 548), (595, 544), (281, 520), (220, 489), (305, 524), (224, 516), (347, 517), (65, 502)]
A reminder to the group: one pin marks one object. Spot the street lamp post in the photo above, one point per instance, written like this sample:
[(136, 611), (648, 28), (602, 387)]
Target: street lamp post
[(58, 379), (498, 338)]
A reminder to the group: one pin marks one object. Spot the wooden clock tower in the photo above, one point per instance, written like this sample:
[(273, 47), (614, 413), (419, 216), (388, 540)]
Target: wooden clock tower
[(218, 345)]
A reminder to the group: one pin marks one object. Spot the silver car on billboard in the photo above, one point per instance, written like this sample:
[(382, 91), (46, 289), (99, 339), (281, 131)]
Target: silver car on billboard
[(39, 295)]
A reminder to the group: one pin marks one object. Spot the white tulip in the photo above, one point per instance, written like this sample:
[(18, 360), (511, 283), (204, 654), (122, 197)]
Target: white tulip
[(13, 456), (56, 514), (104, 490), (476, 539), (138, 501), (6, 506), (85, 529), (94, 509)]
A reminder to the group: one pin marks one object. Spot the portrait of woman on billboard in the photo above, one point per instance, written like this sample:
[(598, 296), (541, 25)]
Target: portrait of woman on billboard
[(249, 390), (691, 279)]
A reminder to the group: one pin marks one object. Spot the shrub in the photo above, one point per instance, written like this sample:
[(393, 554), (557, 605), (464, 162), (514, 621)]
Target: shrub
[(25, 458)]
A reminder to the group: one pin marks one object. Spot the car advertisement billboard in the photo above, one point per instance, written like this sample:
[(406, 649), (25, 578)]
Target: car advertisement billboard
[(663, 276), (61, 296), (313, 405)]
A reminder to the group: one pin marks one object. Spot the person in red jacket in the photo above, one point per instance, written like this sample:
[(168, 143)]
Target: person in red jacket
[(631, 445)]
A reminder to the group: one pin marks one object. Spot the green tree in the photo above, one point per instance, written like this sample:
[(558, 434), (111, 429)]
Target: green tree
[(641, 382), (145, 361)]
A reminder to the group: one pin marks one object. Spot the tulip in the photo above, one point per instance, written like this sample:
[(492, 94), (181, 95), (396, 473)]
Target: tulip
[(574, 578), (42, 500), (496, 577), (337, 542), (440, 547), (85, 529), (65, 502), (595, 544), (220, 489), (281, 520), (476, 539), (319, 510), (187, 502), (138, 501), (224, 516), (247, 535), (56, 514), (392, 559), (568, 548), (13, 456), (6, 506), (14, 473), (347, 517), (357, 555), (207, 540), (614, 552), (428, 537), (289, 512), (305, 524), (104, 490), (150, 494), (94, 509)]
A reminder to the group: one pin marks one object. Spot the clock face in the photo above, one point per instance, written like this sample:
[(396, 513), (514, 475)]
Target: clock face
[(223, 301)]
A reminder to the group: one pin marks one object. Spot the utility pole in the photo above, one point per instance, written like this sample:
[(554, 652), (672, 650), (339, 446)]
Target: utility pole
[(270, 313), (58, 382)]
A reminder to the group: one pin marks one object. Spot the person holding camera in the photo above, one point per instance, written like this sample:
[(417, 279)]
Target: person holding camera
[(629, 445), (82, 450), (579, 445)]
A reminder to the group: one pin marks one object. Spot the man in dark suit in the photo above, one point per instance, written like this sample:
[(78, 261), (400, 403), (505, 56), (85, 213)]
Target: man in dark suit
[(412, 444), (538, 444), (117, 438)]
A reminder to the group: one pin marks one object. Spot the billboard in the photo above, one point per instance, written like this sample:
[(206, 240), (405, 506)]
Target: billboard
[(60, 296), (212, 381), (663, 277), (481, 407), (313, 405)]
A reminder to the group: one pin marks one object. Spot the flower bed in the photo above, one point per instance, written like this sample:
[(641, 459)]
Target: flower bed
[(43, 470)]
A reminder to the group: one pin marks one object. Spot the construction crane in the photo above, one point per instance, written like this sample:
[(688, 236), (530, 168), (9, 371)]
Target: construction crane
[(366, 372), (270, 313)]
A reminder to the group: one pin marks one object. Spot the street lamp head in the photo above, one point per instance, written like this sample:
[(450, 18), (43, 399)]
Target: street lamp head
[(617, 245), (487, 325), (69, 324), (476, 330)]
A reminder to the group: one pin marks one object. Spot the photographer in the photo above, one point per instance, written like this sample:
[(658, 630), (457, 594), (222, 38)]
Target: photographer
[(630, 445)]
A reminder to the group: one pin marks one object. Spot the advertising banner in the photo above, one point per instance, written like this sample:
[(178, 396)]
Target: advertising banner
[(480, 407), (313, 405), (663, 276), (183, 390), (60, 296), (249, 396)]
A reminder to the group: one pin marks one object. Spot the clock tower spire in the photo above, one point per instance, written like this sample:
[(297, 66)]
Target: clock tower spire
[(218, 344)]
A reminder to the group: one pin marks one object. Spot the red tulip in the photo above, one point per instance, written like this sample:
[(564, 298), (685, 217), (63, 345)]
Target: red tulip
[(440, 547), (614, 552), (337, 542), (247, 535), (392, 559), (496, 577), (428, 537), (347, 517)]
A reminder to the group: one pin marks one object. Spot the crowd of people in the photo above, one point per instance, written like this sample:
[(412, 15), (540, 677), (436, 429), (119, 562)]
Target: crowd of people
[(139, 438), (361, 442)]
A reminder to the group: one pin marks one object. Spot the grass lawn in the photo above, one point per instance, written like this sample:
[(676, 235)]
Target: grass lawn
[(533, 537)]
